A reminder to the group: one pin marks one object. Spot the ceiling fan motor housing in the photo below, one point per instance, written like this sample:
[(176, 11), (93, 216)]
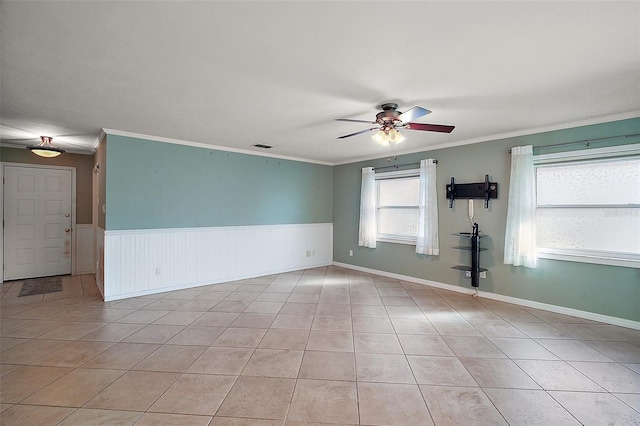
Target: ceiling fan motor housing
[(388, 116)]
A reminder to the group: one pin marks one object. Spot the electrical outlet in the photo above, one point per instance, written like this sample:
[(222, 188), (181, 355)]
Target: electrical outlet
[(351, 253), (308, 253), (467, 274), (157, 271), (483, 274)]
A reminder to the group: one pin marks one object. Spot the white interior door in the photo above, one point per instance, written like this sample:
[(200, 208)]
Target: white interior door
[(37, 222)]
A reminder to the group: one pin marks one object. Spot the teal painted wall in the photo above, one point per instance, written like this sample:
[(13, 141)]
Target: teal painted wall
[(607, 290), (153, 185)]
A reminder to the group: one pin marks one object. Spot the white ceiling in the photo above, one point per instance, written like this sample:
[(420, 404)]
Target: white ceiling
[(238, 73)]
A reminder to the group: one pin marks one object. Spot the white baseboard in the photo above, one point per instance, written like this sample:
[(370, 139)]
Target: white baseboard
[(508, 299), (147, 261)]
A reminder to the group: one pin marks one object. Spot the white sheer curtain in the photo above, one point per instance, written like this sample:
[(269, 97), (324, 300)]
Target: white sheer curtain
[(428, 242), (368, 221), (520, 235)]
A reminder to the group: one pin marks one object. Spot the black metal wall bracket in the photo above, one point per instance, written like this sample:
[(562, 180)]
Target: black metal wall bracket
[(483, 190)]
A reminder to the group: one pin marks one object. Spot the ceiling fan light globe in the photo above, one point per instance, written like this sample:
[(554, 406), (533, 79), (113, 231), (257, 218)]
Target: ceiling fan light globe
[(396, 137), (381, 138)]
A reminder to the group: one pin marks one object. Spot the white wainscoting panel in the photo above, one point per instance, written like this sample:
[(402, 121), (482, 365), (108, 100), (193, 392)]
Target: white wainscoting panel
[(99, 250), (84, 249), (148, 261)]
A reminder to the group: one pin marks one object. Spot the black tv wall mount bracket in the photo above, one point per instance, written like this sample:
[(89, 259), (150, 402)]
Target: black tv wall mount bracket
[(483, 190)]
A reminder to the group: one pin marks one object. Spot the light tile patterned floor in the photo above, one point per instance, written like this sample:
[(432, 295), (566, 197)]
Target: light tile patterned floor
[(325, 345)]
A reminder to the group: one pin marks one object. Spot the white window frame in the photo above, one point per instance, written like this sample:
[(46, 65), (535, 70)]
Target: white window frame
[(399, 174), (574, 157)]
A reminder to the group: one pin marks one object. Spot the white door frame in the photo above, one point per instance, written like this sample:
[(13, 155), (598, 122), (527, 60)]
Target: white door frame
[(73, 209)]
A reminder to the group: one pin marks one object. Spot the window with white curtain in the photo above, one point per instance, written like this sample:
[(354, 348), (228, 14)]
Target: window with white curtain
[(397, 199), (588, 209)]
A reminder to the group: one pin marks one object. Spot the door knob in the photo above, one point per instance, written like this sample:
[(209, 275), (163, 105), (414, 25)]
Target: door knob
[(67, 215), (67, 230)]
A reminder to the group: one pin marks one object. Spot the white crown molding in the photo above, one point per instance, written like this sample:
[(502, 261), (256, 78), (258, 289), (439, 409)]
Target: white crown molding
[(622, 322), (207, 146), (98, 141), (104, 132), (526, 132), (12, 145)]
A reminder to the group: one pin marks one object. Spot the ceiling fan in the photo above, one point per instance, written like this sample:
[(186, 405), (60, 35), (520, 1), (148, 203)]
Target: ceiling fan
[(390, 121)]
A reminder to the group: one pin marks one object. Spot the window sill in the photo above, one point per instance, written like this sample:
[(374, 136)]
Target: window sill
[(396, 241), (585, 258)]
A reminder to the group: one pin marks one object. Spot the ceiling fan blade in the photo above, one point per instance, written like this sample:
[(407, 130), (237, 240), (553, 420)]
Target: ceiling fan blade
[(357, 133), (413, 113), (355, 121), (430, 127)]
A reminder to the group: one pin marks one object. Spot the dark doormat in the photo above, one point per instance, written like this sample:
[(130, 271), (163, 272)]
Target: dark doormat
[(42, 285)]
